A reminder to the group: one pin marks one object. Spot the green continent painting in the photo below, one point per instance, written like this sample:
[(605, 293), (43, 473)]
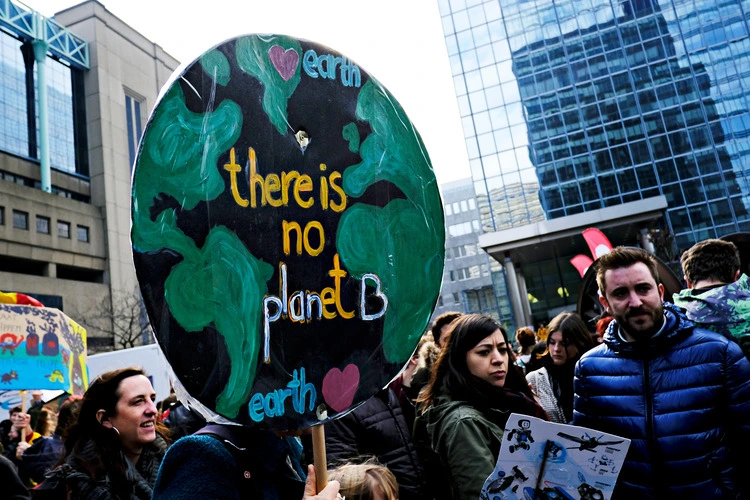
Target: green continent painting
[(287, 232), (398, 240)]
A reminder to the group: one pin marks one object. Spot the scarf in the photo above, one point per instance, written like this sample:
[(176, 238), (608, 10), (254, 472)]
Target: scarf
[(561, 380)]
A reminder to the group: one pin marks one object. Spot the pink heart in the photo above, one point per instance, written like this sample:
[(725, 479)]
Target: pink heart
[(339, 387), (285, 61)]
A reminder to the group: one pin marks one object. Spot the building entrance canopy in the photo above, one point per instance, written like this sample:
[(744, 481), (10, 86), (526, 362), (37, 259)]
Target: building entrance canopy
[(561, 239)]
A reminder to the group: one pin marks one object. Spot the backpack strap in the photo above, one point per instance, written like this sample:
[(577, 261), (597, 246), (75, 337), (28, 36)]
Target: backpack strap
[(247, 470), (273, 478)]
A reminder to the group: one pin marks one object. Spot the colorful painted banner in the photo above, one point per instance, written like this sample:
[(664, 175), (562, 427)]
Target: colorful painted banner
[(41, 348), (287, 231), (545, 461)]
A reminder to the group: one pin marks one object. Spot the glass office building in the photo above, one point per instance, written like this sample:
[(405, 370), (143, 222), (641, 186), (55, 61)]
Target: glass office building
[(19, 103), (576, 105)]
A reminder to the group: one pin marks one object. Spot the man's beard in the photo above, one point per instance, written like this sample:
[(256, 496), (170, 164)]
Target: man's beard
[(639, 332)]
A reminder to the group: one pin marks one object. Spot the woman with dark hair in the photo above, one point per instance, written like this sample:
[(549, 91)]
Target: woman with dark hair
[(473, 389), (114, 449), (553, 383)]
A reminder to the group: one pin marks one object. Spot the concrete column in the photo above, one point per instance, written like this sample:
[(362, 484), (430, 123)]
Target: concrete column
[(523, 294), (646, 242), (40, 56), (513, 291), (50, 270)]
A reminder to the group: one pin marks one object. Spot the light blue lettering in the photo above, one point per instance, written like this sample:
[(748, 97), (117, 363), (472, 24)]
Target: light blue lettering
[(281, 395), (325, 58), (308, 63), (269, 318), (306, 388), (272, 410), (378, 293), (294, 385), (355, 76), (296, 306), (314, 297), (324, 65), (255, 408), (273, 404)]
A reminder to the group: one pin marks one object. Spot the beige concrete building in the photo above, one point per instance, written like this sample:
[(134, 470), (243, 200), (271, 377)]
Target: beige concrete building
[(68, 137)]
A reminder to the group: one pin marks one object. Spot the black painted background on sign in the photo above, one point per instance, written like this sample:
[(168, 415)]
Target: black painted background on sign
[(322, 107)]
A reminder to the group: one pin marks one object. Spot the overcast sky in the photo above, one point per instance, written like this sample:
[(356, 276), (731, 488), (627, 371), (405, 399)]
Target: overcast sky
[(399, 42)]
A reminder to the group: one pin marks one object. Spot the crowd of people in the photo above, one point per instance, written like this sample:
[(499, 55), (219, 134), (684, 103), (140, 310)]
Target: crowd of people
[(673, 377)]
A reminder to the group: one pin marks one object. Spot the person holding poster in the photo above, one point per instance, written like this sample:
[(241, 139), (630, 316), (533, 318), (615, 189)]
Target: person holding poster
[(21, 422), (283, 208), (553, 383), (680, 393), (473, 389)]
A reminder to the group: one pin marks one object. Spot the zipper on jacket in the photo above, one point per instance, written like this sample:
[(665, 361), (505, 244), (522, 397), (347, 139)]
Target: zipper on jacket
[(653, 448)]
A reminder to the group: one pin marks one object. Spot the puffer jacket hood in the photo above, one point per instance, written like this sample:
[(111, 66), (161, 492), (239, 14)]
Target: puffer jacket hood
[(724, 309)]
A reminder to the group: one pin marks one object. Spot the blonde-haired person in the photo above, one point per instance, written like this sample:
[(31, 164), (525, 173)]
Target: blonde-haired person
[(365, 481)]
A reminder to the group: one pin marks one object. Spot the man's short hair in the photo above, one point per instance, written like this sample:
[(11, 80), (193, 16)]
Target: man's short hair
[(441, 321), (715, 260), (620, 257)]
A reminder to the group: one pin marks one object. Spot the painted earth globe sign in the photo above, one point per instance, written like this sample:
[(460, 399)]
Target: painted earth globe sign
[(287, 231)]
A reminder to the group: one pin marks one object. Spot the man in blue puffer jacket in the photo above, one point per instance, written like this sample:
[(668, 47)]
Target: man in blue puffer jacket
[(680, 393)]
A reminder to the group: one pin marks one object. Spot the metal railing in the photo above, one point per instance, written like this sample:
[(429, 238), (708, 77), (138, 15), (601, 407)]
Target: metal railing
[(31, 25)]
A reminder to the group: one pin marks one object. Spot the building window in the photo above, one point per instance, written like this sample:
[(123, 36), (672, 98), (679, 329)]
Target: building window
[(62, 141), (19, 105), (42, 224), (472, 204), (459, 229), (14, 129), (133, 116), (2, 216), (20, 220), (83, 233), (448, 210), (63, 229), (456, 300)]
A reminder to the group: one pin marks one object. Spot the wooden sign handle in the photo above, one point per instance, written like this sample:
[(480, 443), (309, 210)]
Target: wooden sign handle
[(23, 409), (319, 457)]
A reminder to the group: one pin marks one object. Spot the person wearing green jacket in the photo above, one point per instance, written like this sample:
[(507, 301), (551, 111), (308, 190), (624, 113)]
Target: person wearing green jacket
[(473, 389), (717, 295)]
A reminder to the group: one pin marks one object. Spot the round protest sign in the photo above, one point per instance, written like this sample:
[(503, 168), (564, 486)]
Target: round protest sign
[(287, 231)]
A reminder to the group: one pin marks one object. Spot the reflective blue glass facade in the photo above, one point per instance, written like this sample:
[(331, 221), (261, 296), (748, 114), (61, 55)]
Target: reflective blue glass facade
[(19, 107), (575, 105), (14, 137)]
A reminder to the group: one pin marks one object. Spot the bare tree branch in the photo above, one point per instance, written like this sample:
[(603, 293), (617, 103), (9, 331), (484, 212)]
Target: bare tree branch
[(123, 319)]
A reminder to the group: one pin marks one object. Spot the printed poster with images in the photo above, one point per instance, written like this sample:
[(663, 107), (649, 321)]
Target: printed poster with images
[(543, 460), (41, 348)]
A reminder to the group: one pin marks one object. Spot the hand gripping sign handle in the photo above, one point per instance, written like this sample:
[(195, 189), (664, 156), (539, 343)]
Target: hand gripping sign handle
[(319, 456)]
